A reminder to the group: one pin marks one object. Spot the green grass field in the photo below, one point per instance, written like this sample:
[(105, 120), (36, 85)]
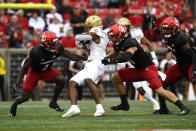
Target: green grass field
[(37, 116)]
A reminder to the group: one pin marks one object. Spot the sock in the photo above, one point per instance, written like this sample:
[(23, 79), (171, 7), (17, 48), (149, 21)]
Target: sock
[(99, 107), (162, 102), (179, 104), (148, 97), (123, 99), (74, 106)]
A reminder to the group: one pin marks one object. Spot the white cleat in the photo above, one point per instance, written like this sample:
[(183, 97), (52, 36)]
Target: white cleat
[(99, 113), (155, 105), (72, 112)]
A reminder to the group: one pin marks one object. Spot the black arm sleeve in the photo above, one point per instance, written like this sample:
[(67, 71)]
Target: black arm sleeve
[(123, 58), (189, 52)]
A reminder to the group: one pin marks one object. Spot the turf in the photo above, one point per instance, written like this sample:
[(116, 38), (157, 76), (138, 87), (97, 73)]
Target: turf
[(37, 116)]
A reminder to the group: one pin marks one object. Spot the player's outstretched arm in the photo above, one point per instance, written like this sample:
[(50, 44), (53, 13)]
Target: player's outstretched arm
[(24, 70), (190, 53), (73, 56), (123, 58)]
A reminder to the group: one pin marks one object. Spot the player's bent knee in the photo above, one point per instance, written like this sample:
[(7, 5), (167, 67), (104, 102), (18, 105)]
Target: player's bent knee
[(88, 81)]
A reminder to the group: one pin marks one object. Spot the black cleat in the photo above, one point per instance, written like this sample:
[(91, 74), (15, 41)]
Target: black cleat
[(163, 111), (184, 111), (12, 112), (55, 106), (11, 115), (124, 107)]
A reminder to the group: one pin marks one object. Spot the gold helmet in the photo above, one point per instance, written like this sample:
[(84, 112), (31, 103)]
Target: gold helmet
[(93, 21), (124, 21)]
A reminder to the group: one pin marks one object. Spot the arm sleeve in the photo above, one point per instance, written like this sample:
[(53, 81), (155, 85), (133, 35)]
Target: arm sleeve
[(123, 58), (190, 53)]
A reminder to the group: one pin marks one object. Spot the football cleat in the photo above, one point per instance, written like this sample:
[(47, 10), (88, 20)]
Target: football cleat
[(161, 111), (124, 107), (11, 115), (55, 106), (12, 112), (99, 113), (184, 111), (155, 105), (72, 112)]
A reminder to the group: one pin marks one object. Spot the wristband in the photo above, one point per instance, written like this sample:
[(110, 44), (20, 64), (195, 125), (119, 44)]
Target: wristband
[(153, 55)]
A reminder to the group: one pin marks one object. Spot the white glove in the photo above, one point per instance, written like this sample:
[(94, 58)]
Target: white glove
[(155, 60)]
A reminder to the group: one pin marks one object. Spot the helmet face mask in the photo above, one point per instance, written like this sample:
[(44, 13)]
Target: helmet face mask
[(49, 41), (169, 27), (167, 32), (117, 34)]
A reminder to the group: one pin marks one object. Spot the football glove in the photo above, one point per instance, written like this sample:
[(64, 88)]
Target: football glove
[(107, 61)]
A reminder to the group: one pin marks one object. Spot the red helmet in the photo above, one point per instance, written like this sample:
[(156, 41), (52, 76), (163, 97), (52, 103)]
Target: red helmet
[(49, 41), (169, 27), (117, 33)]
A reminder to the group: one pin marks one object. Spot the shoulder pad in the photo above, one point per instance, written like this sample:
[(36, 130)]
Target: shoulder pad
[(137, 34), (33, 53), (98, 31), (130, 42), (182, 39)]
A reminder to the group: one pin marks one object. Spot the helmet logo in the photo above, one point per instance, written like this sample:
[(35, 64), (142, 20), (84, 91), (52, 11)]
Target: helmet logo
[(122, 29), (43, 37)]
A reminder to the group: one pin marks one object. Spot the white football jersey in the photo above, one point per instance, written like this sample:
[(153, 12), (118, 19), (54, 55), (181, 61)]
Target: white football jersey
[(137, 34), (98, 51)]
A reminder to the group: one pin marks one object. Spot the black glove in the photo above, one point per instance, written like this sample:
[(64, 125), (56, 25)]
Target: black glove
[(107, 61)]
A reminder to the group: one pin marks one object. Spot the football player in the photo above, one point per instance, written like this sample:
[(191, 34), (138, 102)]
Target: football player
[(179, 44), (38, 64), (95, 41), (139, 36), (144, 69)]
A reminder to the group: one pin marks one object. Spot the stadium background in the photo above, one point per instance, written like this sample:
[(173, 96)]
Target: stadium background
[(19, 31)]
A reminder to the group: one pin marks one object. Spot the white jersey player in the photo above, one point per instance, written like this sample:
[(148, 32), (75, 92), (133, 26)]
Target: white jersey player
[(95, 41), (143, 85)]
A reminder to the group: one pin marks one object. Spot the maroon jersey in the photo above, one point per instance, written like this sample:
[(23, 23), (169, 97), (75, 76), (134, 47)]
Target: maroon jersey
[(42, 60)]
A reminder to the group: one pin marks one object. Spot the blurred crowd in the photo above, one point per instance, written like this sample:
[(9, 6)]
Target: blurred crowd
[(21, 28)]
